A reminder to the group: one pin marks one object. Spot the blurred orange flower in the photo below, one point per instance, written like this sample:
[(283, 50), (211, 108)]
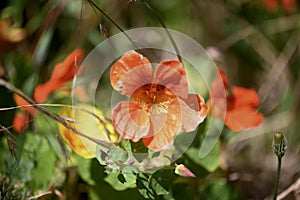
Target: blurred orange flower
[(22, 102), (61, 74), (241, 105), (21, 121), (159, 106)]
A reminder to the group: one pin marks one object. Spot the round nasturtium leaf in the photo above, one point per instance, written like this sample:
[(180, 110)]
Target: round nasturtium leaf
[(83, 118)]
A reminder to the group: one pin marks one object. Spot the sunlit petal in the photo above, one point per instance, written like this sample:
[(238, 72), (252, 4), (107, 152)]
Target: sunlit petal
[(130, 72), (131, 121), (194, 111), (172, 75), (162, 134)]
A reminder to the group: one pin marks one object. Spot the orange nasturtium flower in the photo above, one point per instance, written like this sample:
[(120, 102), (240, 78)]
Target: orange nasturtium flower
[(241, 105), (62, 73), (159, 107)]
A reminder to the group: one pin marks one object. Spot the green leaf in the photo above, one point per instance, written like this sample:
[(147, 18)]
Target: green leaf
[(118, 154), (210, 162), (121, 178), (219, 190), (143, 186), (45, 128), (43, 157), (84, 169), (182, 191), (46, 167), (162, 180), (113, 180), (157, 184), (101, 154), (125, 144)]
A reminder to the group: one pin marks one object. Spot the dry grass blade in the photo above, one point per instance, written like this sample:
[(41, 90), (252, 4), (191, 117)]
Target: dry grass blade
[(5, 130), (279, 66), (51, 115), (295, 187)]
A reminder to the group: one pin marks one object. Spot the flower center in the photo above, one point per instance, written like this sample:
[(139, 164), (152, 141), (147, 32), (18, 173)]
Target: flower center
[(152, 94)]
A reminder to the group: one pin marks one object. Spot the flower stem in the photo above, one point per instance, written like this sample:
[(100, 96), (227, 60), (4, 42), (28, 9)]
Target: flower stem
[(277, 178), (160, 21), (279, 148), (93, 4)]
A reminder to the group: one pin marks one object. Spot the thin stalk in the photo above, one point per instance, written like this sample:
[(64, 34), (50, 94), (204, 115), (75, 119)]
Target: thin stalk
[(112, 21), (53, 116), (160, 21), (279, 148), (277, 178)]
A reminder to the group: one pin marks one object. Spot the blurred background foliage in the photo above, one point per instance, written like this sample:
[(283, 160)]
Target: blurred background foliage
[(256, 42)]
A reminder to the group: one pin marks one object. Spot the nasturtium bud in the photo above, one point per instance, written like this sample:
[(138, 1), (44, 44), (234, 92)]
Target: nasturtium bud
[(279, 144)]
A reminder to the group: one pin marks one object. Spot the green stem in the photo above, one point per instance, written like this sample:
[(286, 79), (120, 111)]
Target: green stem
[(165, 27), (112, 21), (277, 178)]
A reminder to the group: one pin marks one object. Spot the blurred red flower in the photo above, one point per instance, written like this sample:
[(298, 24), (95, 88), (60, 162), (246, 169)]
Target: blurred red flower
[(159, 106), (61, 74), (287, 5), (241, 105)]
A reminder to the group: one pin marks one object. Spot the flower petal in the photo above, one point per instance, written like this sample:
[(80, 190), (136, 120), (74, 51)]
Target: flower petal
[(194, 111), (172, 75), (244, 97), (61, 74), (65, 71), (42, 91), (243, 118), (21, 122), (131, 121), (130, 72), (89, 125), (164, 127), (219, 84), (22, 102)]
